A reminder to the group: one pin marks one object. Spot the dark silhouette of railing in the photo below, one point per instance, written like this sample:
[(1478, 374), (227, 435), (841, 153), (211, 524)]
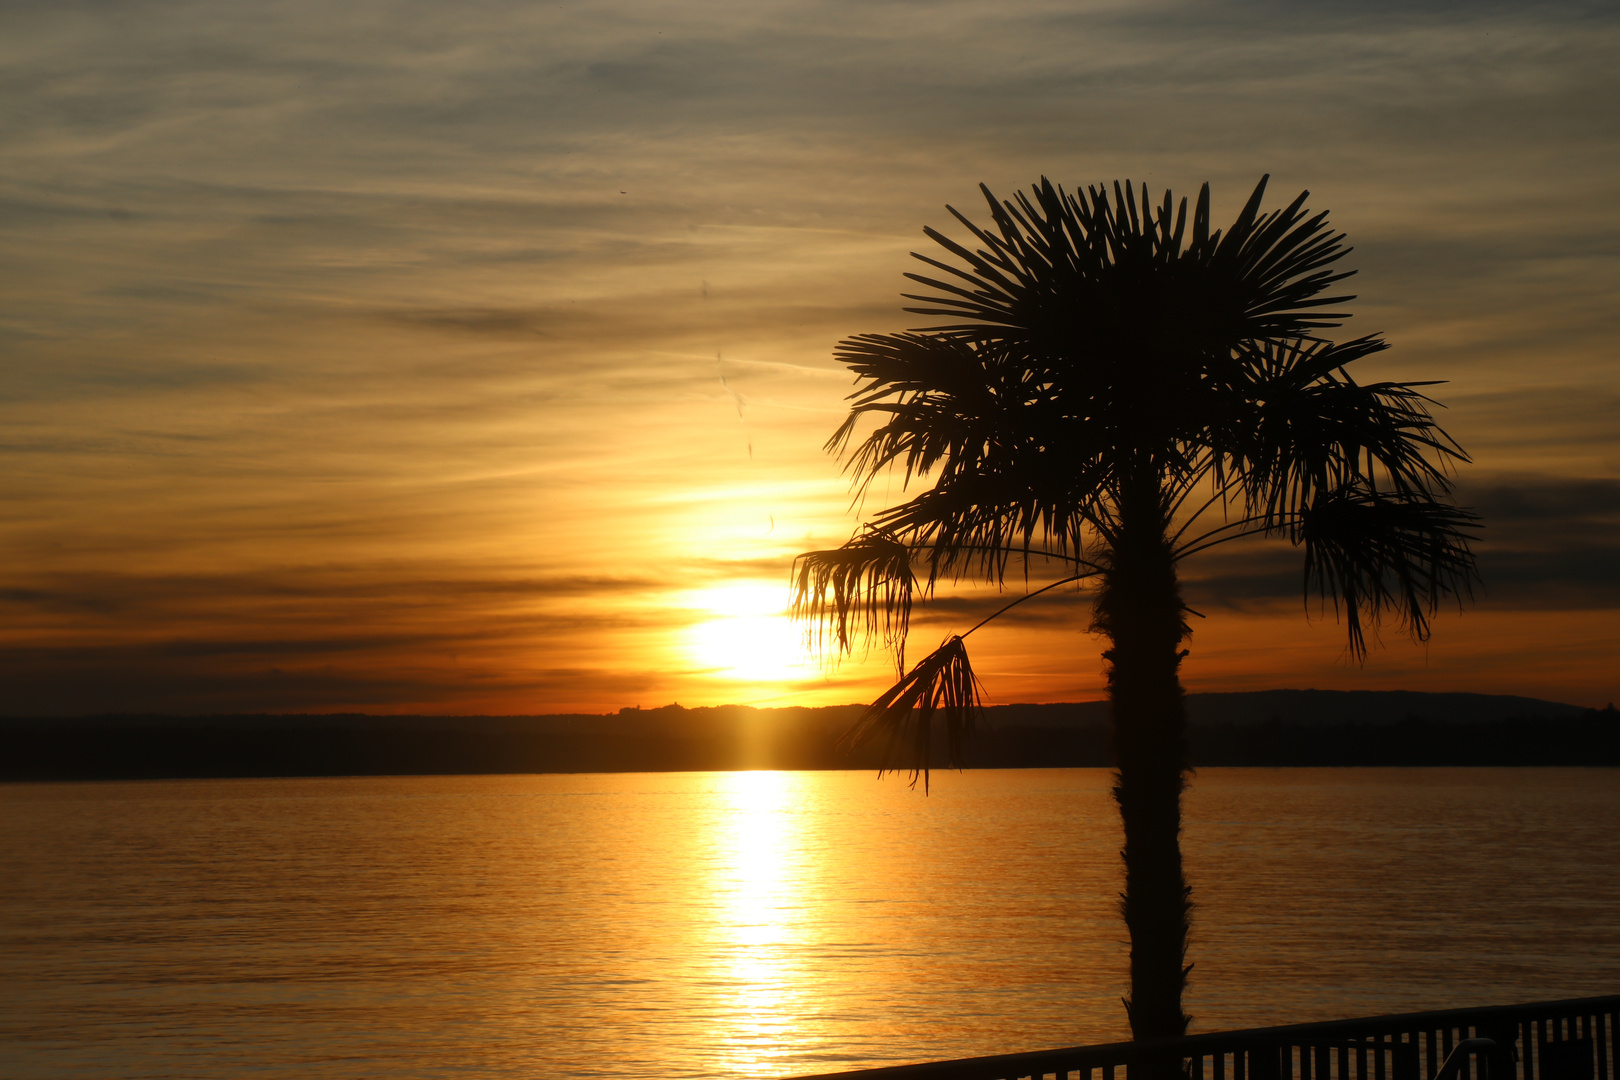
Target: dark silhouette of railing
[(1548, 1040)]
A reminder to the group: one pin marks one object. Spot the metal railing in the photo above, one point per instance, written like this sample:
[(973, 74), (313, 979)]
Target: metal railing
[(1548, 1040)]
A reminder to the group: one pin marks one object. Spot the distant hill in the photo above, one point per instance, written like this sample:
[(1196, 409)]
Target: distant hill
[(1313, 707), (1274, 727)]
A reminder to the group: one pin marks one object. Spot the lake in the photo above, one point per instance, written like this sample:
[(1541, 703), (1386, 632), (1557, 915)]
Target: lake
[(757, 924)]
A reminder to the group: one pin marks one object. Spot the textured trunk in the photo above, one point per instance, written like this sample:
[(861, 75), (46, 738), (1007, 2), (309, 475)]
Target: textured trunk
[(1140, 610)]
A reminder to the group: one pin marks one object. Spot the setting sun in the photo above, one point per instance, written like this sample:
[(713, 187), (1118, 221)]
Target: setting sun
[(748, 636)]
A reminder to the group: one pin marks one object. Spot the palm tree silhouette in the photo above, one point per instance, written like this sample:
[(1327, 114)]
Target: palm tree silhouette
[(1113, 394)]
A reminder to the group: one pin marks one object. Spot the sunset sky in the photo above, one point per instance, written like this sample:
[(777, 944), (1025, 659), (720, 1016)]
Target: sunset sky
[(423, 357)]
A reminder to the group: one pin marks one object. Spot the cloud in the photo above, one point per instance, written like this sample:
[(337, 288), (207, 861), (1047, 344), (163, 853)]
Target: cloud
[(1548, 505), (179, 680), (1549, 543), (400, 318)]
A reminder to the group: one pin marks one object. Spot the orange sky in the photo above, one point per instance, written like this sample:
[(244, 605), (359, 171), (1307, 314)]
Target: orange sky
[(477, 359)]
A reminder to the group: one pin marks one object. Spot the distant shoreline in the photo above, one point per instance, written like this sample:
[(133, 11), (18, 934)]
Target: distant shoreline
[(1225, 730)]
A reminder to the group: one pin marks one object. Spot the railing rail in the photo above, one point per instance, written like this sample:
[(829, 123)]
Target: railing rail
[(1548, 1040)]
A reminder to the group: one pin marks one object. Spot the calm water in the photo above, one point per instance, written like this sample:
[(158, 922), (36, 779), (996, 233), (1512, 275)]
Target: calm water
[(756, 924)]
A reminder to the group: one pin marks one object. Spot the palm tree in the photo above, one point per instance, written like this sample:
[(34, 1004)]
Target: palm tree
[(1115, 392)]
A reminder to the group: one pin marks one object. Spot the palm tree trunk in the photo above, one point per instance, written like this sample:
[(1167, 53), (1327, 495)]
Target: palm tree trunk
[(1140, 610)]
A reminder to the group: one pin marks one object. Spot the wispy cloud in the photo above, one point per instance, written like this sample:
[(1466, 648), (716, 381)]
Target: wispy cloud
[(410, 320)]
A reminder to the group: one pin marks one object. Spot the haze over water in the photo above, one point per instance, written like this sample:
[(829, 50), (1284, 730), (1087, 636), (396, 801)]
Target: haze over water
[(757, 924)]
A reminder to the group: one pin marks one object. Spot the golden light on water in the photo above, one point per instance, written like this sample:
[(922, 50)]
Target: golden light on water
[(747, 636), (759, 883)]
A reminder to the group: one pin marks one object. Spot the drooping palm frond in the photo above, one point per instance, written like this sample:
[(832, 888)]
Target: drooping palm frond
[(970, 528), (1296, 425), (1370, 552), (1011, 470), (933, 396), (942, 685), (863, 588)]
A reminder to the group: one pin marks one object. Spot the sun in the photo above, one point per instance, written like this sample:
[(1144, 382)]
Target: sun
[(746, 635)]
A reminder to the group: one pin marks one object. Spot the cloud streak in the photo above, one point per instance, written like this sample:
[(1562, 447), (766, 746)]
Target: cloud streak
[(406, 320)]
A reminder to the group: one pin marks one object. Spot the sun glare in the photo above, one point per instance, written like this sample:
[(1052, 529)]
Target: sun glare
[(747, 635)]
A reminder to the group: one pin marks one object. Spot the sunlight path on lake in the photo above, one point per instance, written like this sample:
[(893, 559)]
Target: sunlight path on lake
[(759, 876)]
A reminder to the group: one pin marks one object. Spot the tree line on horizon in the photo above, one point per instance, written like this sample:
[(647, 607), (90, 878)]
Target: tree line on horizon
[(279, 746)]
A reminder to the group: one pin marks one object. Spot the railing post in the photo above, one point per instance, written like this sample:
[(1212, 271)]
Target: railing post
[(1407, 1058), (1265, 1063)]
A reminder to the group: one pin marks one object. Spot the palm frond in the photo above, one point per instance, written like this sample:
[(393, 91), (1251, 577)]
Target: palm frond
[(1090, 271), (1011, 467), (1372, 552), (941, 685), (934, 398), (861, 589), (1297, 425), (973, 524)]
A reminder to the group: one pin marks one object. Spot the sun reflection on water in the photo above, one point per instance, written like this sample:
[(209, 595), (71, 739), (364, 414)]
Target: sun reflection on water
[(759, 884)]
